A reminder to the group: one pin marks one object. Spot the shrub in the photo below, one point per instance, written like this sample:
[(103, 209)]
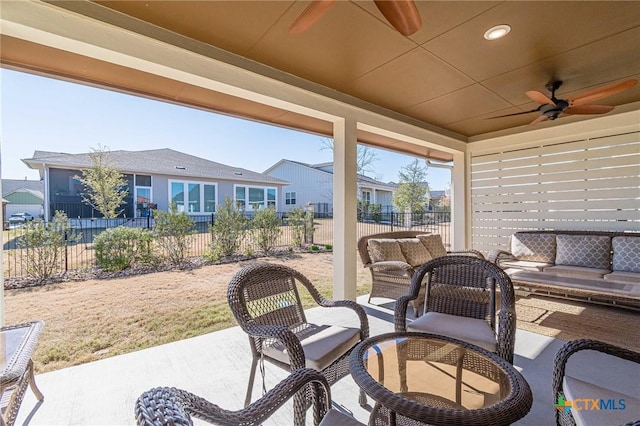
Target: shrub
[(328, 247), (44, 244), (172, 232), (302, 226), (376, 212), (227, 230), (314, 248), (266, 226), (119, 248)]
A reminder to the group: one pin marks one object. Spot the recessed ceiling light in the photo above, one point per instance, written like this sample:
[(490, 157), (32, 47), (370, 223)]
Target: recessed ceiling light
[(497, 32)]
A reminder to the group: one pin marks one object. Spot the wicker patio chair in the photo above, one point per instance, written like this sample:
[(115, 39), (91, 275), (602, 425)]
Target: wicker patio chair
[(390, 279), (165, 406), (559, 381), (460, 302), (265, 300)]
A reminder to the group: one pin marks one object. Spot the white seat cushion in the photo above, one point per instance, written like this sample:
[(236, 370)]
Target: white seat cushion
[(576, 271), (322, 345), (613, 412), (471, 330), (526, 265)]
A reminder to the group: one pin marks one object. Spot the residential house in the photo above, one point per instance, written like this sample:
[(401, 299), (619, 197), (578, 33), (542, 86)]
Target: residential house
[(155, 178), (436, 199), (313, 184), (23, 195)]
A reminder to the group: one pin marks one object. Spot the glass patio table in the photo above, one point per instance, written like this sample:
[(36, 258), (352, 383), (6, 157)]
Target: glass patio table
[(17, 343), (419, 378)]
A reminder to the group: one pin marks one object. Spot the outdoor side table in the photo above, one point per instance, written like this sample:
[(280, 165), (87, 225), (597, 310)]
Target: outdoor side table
[(17, 343), (420, 378)]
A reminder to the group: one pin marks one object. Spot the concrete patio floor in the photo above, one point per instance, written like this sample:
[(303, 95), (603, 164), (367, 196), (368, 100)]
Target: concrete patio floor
[(216, 367)]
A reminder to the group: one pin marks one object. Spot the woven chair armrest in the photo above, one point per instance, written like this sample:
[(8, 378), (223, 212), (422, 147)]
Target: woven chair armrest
[(392, 265), (354, 306), (506, 333), (400, 313), (284, 335), (172, 406), (570, 348), (467, 252)]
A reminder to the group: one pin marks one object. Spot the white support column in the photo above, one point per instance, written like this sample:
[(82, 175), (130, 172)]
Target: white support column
[(344, 209), (2, 218), (459, 214)]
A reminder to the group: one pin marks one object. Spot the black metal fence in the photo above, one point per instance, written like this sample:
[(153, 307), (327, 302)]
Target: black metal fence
[(78, 253)]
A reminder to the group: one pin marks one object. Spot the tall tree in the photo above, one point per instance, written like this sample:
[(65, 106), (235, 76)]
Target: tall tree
[(105, 188), (413, 189), (365, 157)]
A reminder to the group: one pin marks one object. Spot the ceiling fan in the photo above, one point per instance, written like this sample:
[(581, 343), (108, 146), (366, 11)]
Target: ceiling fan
[(552, 107), (403, 15)]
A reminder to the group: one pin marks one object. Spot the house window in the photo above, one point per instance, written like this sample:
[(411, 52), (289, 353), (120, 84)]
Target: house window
[(209, 198), (240, 197), (177, 195), (142, 195), (200, 197), (251, 198), (290, 198), (366, 196), (143, 180)]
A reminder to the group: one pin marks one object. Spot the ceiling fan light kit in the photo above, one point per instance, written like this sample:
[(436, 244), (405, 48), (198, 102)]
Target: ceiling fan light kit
[(552, 107)]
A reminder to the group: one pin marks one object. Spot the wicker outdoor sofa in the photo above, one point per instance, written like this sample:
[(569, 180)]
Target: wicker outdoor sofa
[(393, 257), (596, 266)]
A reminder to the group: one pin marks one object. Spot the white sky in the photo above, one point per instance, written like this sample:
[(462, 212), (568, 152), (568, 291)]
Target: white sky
[(38, 113)]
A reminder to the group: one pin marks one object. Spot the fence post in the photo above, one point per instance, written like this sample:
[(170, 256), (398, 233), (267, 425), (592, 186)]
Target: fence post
[(392, 220)]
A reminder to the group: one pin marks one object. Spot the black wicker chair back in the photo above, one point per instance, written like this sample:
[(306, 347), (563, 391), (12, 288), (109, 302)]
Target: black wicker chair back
[(469, 287), (265, 300), (170, 406)]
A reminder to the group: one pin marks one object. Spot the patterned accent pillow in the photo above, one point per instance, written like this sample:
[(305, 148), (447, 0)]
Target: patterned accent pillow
[(592, 251), (385, 249), (626, 254), (433, 244), (414, 251), (534, 247)]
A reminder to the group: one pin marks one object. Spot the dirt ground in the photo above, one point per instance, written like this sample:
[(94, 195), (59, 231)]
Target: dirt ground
[(94, 319)]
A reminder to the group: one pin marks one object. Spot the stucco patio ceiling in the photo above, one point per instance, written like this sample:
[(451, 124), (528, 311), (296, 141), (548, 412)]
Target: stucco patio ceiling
[(445, 77)]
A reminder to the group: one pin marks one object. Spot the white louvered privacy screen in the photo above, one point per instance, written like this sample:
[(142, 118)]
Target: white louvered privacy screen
[(588, 184)]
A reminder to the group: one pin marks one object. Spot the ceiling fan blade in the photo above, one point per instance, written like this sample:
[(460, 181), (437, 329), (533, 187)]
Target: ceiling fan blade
[(589, 109), (403, 15), (515, 113), (539, 119), (602, 92), (540, 98), (310, 16)]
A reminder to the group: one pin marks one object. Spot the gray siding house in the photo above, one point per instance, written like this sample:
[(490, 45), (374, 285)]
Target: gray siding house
[(23, 195), (313, 184), (156, 178)]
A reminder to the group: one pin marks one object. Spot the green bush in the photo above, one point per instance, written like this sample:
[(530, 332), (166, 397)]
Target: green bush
[(328, 247), (173, 232), (376, 212), (266, 228), (227, 230), (302, 226), (44, 245), (119, 248)]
